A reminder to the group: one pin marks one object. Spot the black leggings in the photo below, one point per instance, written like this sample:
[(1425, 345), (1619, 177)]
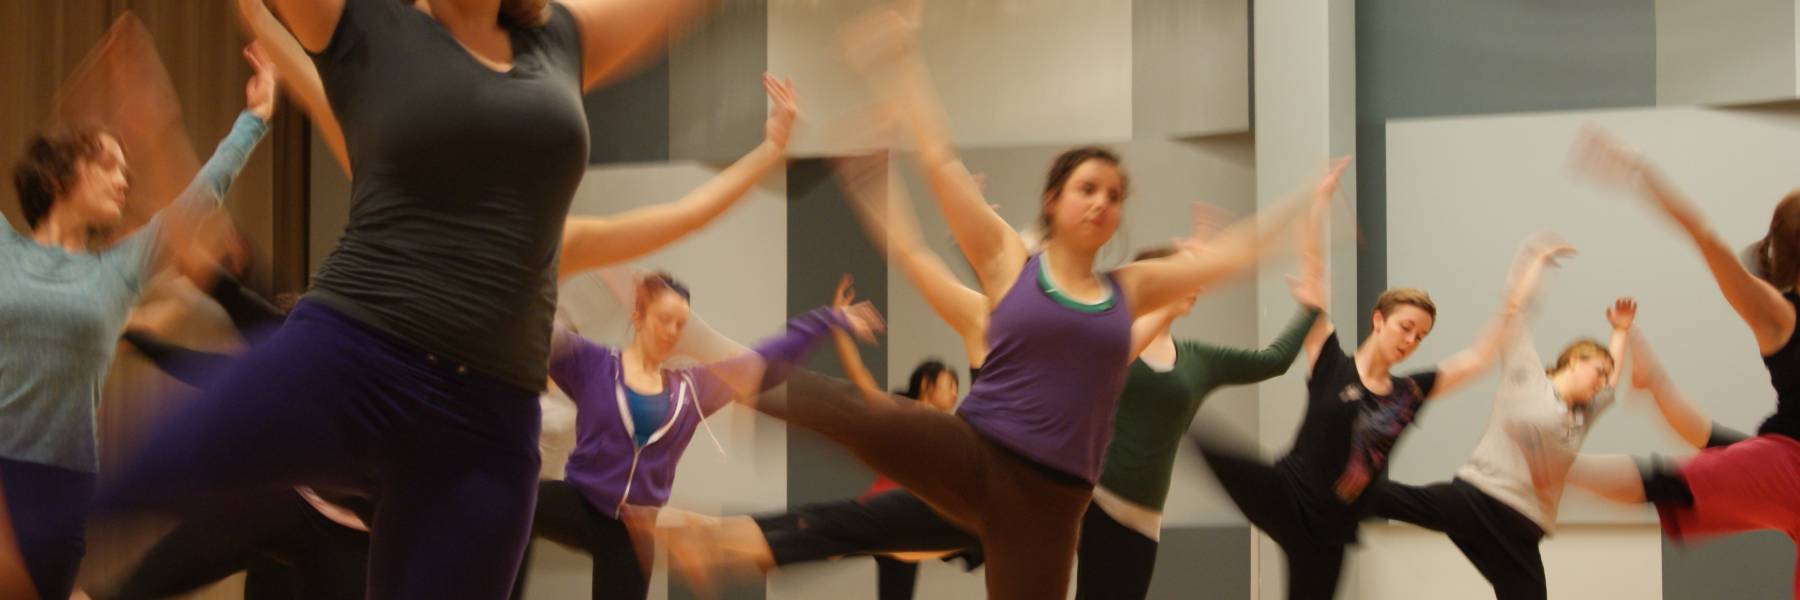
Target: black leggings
[(895, 578), (621, 569), (892, 521), (1026, 515), (1311, 534), (1116, 562), (1501, 542), (288, 550)]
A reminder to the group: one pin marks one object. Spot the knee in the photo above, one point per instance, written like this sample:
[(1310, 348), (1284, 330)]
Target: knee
[(1663, 482)]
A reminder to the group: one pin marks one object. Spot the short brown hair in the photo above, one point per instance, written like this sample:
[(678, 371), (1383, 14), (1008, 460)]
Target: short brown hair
[(1580, 349), (1397, 297), (48, 168)]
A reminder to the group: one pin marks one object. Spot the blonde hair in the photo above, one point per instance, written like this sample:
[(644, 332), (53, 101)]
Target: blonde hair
[(1397, 297), (1580, 349)]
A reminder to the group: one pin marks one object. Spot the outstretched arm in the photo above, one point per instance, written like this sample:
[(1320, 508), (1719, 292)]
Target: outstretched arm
[(848, 355), (299, 77), (884, 47), (1151, 284), (1459, 369), (886, 213), (1620, 315), (183, 225), (593, 242), (1757, 302)]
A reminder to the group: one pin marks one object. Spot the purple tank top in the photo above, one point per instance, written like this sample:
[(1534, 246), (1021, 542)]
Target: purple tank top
[(1052, 378)]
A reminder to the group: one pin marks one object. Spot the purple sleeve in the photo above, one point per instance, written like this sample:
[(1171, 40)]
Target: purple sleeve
[(780, 355), (578, 363)]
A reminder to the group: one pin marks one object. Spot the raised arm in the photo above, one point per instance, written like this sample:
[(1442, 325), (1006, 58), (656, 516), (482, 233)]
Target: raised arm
[(883, 45), (618, 36), (1151, 284), (886, 213), (1620, 315), (311, 21), (182, 224), (854, 369), (1241, 365), (1757, 302), (593, 242), (299, 77), (1534, 256)]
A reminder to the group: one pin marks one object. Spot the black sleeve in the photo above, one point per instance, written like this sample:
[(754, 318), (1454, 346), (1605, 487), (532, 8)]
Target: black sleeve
[(186, 365), (1724, 436), (564, 37), (1425, 381), (247, 309)]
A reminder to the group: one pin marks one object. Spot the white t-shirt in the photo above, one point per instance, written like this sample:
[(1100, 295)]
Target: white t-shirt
[(1532, 436)]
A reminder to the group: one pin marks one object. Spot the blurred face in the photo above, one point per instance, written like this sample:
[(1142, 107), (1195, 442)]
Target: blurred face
[(1396, 334), (95, 193), (940, 393), (1586, 377), (659, 324), (1086, 211)]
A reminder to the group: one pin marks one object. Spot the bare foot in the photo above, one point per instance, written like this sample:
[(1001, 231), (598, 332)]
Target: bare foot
[(692, 551)]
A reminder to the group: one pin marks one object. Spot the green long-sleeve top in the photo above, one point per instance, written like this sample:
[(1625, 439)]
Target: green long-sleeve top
[(1156, 408)]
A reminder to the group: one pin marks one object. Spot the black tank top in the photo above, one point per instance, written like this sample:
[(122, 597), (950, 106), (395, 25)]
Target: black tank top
[(463, 177), (1784, 374)]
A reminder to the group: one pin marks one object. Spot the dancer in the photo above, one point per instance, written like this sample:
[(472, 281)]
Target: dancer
[(1017, 463), (1167, 383), (1752, 484), (66, 302), (411, 370), (1312, 500), (636, 418), (1503, 501)]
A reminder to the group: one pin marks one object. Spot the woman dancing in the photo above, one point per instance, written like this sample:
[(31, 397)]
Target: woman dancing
[(64, 303)]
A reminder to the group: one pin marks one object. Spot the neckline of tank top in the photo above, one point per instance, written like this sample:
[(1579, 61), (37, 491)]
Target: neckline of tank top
[(1062, 298)]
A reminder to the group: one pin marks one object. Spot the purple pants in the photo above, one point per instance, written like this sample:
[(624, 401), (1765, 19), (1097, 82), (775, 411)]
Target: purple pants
[(449, 455), (45, 504)]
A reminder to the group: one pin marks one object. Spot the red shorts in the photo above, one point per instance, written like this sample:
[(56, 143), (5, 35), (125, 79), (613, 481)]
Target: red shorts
[(1750, 485), (1747, 486)]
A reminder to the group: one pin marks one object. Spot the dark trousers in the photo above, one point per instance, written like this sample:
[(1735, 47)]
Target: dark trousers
[(1501, 542), (449, 455), (1115, 562), (1027, 516), (287, 550)]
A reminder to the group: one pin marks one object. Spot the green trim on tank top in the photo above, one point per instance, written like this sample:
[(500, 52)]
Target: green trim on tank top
[(1049, 288)]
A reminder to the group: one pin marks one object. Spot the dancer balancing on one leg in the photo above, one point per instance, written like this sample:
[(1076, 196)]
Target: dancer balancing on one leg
[(1752, 484), (636, 417), (411, 370), (1503, 502), (1016, 464), (66, 298), (1312, 499)]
